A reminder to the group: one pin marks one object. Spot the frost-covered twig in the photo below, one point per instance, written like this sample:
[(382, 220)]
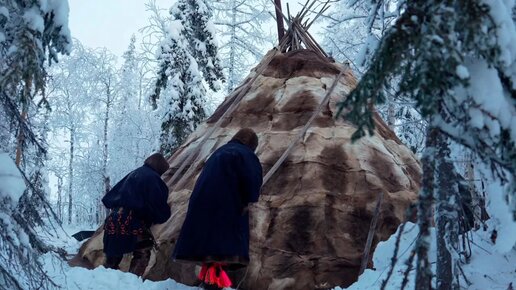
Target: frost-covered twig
[(464, 275), (9, 279), (394, 258), (480, 247), (46, 205), (409, 263)]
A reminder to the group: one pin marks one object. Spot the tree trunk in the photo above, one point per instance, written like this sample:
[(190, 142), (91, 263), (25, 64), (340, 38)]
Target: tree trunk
[(70, 175), (477, 200), (391, 114), (25, 108), (424, 216), (102, 212), (21, 137), (60, 198), (232, 48), (447, 196)]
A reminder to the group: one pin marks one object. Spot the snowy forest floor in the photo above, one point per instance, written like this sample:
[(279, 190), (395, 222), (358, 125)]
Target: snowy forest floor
[(486, 269), (100, 278)]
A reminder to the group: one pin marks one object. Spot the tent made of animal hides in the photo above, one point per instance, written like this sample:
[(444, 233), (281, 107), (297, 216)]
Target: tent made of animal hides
[(309, 229)]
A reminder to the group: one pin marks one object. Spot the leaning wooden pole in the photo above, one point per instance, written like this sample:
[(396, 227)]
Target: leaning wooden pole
[(303, 131), (370, 235), (279, 20)]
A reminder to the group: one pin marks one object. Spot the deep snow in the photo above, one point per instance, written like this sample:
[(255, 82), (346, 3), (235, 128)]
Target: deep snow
[(487, 268)]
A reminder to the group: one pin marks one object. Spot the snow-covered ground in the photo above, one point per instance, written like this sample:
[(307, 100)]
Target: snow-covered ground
[(491, 266), (487, 269), (78, 278), (101, 278)]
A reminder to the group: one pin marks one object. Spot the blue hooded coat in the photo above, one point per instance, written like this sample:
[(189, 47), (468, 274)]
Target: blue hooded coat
[(137, 201), (216, 227)]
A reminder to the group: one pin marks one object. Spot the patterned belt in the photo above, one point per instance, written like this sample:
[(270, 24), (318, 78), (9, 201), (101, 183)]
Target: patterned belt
[(123, 226)]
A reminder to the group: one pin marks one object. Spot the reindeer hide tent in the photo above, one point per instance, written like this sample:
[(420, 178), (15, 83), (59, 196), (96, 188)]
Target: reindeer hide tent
[(309, 229)]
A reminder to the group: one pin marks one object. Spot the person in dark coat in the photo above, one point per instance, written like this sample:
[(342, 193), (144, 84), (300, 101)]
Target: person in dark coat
[(216, 228), (136, 202)]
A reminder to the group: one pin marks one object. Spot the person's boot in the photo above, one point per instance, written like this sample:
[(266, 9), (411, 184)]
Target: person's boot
[(112, 262), (140, 261)]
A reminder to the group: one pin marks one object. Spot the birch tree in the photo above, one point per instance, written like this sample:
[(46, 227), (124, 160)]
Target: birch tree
[(71, 94), (243, 37), (104, 67)]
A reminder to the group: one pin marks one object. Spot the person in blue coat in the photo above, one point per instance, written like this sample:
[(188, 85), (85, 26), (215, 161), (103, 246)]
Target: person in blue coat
[(136, 202), (216, 228)]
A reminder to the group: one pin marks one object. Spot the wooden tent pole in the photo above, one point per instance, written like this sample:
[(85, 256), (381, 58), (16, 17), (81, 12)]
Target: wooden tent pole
[(370, 235), (325, 7), (302, 132), (279, 20)]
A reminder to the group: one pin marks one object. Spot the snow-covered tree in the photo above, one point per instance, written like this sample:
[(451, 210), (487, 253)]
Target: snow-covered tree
[(19, 245), (181, 103), (199, 31), (82, 91), (352, 33), (128, 86), (125, 146), (101, 122), (31, 33), (354, 28), (408, 124), (456, 61), (71, 91), (131, 115), (105, 79), (243, 38)]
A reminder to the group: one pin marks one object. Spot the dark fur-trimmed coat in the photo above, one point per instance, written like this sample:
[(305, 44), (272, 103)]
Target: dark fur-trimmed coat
[(216, 226), (138, 201)]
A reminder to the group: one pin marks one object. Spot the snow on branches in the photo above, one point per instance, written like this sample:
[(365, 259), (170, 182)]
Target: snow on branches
[(188, 55), (181, 104), (457, 62), (19, 267)]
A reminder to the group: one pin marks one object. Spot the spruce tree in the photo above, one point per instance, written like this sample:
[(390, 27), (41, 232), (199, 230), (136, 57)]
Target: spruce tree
[(354, 29), (126, 109), (188, 55), (443, 52), (178, 88), (31, 33), (455, 60), (199, 30), (131, 116)]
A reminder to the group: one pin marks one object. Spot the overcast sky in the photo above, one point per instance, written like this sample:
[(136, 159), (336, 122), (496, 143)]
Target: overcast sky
[(110, 23)]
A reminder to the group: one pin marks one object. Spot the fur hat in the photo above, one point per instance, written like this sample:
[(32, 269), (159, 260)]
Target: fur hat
[(157, 162), (247, 137)]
